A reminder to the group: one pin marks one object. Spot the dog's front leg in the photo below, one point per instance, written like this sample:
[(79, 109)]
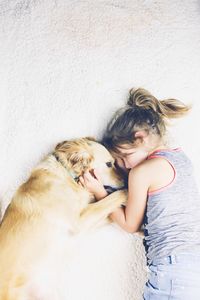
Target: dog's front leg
[(96, 213)]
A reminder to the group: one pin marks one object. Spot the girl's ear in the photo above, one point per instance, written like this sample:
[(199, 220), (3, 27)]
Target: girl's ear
[(141, 134)]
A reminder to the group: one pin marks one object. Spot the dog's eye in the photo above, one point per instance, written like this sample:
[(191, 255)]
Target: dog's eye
[(109, 164)]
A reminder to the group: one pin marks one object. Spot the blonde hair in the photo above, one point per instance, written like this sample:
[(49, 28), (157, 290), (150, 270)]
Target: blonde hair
[(143, 111)]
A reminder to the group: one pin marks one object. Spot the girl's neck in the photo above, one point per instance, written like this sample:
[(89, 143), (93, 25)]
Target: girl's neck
[(159, 147), (157, 142)]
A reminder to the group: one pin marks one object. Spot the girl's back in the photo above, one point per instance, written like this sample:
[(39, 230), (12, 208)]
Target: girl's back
[(172, 222)]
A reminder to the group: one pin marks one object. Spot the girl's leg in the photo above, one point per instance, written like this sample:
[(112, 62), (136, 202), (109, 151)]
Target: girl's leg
[(158, 286), (175, 278)]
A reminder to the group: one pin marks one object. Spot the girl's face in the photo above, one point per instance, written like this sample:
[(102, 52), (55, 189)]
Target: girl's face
[(128, 157)]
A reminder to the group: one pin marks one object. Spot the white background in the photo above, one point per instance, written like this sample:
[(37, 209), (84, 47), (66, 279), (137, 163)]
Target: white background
[(65, 67)]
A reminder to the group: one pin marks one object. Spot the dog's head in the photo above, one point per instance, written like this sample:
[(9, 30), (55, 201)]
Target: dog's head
[(83, 154)]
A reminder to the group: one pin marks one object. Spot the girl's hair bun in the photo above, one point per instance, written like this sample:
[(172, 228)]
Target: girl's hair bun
[(141, 98), (168, 108)]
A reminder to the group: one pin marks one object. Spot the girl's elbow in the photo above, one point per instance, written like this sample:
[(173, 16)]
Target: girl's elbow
[(131, 229)]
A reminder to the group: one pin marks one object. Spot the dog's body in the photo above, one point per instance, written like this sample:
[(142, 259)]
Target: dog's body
[(39, 227)]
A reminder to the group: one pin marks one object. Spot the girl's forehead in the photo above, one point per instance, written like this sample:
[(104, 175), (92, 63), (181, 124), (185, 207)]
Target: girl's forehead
[(125, 149)]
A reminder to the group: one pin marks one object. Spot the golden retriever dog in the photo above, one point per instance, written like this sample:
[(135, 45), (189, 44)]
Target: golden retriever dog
[(45, 215)]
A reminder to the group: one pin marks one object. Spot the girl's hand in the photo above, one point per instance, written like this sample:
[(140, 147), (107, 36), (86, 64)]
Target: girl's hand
[(93, 183)]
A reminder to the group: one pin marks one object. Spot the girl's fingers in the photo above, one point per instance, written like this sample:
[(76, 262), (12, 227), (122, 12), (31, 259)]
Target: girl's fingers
[(81, 180), (86, 175), (97, 175)]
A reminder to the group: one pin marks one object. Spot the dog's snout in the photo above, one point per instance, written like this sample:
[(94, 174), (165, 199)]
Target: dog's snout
[(110, 189)]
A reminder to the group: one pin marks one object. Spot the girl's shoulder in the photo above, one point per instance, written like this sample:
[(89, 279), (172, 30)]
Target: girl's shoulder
[(158, 172), (152, 165)]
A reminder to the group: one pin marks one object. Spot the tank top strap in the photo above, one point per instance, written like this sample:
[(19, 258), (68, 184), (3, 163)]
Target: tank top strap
[(163, 152)]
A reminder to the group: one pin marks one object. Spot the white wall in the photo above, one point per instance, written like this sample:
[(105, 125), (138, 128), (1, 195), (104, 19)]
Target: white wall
[(67, 65)]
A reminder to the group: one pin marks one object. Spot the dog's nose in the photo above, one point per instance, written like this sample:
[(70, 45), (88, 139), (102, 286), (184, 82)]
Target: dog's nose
[(110, 189)]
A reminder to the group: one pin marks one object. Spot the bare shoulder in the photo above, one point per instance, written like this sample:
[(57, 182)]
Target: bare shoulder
[(140, 175), (158, 165), (153, 174), (158, 172)]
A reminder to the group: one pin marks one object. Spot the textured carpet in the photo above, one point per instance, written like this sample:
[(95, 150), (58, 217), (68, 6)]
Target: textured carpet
[(66, 66)]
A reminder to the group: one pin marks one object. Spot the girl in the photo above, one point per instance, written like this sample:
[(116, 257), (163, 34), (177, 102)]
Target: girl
[(162, 194)]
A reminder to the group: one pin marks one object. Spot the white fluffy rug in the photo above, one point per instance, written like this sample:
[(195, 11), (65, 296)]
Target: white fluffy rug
[(65, 66)]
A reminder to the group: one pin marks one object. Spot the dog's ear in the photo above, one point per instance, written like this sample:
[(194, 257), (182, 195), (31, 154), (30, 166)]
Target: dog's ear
[(59, 145), (75, 154), (90, 138), (80, 160)]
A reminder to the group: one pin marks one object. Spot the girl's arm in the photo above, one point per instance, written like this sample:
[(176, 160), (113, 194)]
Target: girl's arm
[(150, 175), (130, 217)]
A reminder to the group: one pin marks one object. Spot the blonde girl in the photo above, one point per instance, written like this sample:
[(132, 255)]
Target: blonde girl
[(162, 194)]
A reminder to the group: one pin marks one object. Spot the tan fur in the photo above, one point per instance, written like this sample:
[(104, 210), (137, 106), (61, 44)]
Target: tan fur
[(38, 230)]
